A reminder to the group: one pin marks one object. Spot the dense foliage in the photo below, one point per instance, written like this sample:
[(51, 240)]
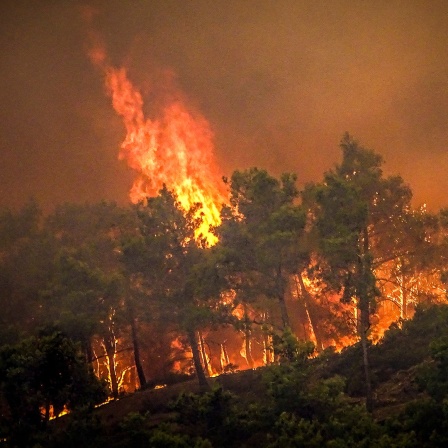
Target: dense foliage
[(299, 402), (136, 296), (39, 378)]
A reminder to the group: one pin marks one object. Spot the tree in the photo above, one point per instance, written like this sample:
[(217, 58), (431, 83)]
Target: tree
[(409, 274), (42, 375), (87, 295), (356, 209), (163, 260), (26, 255), (16, 226), (261, 236)]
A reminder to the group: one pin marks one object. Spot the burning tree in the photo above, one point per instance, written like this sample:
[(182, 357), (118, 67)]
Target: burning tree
[(356, 207), (163, 260), (86, 295), (261, 243), (409, 275), (173, 148)]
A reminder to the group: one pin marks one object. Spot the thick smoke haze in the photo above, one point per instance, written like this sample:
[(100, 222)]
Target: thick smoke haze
[(279, 83)]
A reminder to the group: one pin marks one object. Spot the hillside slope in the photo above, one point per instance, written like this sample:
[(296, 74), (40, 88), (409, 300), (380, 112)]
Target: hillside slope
[(317, 402)]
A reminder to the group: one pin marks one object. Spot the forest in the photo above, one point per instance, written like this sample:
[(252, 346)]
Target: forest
[(303, 289)]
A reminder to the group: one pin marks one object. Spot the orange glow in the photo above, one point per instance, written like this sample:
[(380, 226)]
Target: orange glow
[(173, 149), (401, 293), (52, 414)]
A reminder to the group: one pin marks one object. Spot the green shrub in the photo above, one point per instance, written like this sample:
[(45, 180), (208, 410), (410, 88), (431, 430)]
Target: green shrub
[(134, 427)]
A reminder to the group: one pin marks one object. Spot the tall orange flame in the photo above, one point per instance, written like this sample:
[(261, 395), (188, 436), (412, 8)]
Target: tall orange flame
[(175, 149)]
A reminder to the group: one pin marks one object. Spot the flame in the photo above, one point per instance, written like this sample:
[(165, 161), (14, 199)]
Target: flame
[(52, 414), (173, 149)]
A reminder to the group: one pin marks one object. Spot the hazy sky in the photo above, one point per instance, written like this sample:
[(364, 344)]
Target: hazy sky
[(278, 81)]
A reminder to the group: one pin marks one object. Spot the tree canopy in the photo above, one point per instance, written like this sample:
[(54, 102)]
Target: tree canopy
[(143, 300)]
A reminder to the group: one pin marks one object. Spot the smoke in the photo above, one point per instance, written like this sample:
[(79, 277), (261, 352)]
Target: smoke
[(173, 149), (279, 83)]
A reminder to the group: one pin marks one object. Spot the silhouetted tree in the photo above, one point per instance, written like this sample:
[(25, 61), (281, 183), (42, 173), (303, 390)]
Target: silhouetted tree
[(356, 209), (261, 236), (163, 260), (41, 376)]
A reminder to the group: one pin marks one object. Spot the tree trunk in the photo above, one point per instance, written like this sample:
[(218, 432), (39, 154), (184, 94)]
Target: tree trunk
[(191, 335), (403, 294), (308, 308), (364, 327), (247, 338), (109, 345), (267, 343), (204, 355), (283, 311), (281, 297), (365, 290), (88, 350), (137, 359), (225, 354), (404, 305)]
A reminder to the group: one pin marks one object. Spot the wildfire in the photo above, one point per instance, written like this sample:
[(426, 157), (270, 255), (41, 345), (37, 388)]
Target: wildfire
[(174, 149)]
